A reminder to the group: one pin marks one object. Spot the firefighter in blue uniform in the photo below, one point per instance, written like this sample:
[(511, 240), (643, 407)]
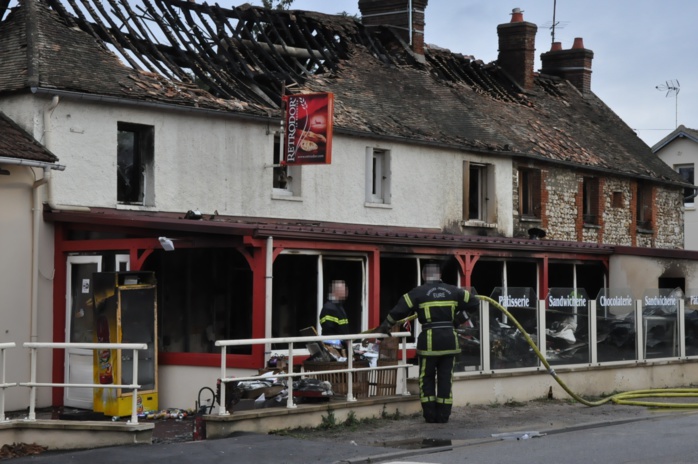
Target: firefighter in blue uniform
[(440, 308)]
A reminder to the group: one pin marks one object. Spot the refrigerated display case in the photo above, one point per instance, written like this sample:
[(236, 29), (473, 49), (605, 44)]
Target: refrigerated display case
[(125, 312)]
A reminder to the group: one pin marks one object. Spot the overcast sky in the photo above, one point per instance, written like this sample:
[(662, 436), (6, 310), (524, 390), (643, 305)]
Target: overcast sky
[(638, 45)]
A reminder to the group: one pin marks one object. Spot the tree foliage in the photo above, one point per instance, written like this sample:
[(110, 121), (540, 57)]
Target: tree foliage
[(277, 4)]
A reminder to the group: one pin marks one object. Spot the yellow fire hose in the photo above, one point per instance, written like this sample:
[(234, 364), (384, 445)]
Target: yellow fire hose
[(626, 398), (619, 398)]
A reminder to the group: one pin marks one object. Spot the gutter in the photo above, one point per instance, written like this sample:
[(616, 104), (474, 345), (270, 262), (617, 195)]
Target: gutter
[(148, 104)]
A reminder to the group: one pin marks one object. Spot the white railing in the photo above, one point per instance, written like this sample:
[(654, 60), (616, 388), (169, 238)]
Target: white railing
[(318, 338), (3, 382), (33, 384)]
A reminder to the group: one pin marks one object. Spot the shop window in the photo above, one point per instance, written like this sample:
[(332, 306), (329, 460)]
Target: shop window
[(644, 205), (377, 176), (686, 172), (478, 189), (590, 200), (135, 181), (204, 295), (529, 194), (287, 179), (301, 286)]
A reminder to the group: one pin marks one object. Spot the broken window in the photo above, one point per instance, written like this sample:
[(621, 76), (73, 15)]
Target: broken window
[(478, 188), (204, 295), (529, 193), (590, 200), (135, 164), (302, 283), (644, 205), (287, 179), (377, 176), (686, 172)]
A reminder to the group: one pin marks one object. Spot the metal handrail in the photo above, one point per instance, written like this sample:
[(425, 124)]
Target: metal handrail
[(3, 382), (33, 384), (402, 364)]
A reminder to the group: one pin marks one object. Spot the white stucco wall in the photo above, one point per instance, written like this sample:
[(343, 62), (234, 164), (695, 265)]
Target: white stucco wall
[(212, 163), (16, 228), (684, 151)]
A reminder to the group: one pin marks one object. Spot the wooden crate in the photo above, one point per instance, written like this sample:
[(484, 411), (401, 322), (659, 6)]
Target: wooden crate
[(339, 379)]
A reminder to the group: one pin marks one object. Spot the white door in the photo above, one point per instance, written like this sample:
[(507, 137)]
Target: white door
[(79, 328)]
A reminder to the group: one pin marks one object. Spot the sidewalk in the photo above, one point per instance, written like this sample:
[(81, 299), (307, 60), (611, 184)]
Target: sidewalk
[(370, 442)]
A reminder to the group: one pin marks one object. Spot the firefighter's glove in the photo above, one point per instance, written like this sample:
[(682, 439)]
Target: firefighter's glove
[(461, 318), (385, 328)]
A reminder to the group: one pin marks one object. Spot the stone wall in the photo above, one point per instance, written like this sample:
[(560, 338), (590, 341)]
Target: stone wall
[(669, 230), (561, 191)]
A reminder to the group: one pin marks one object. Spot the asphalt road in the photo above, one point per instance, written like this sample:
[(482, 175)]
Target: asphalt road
[(666, 438)]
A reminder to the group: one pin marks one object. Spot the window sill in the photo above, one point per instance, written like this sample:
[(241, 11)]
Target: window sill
[(280, 194), (530, 219), (132, 207), (591, 226), (480, 224), (378, 205), (645, 231)]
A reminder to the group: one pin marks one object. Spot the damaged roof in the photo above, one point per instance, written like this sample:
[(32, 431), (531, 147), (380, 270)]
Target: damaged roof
[(18, 144), (243, 59)]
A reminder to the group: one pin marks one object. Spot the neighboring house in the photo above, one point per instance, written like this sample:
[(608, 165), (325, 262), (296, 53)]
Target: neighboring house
[(512, 178), (680, 151), (27, 247)]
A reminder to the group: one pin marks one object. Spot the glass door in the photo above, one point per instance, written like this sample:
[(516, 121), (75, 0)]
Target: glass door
[(79, 328)]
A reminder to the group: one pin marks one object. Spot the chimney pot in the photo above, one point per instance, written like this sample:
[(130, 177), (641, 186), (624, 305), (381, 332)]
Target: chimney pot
[(578, 43), (556, 46), (517, 15)]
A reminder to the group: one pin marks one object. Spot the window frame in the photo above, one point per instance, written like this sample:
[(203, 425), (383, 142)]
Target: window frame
[(286, 180), (530, 198), (644, 210), (378, 176), (478, 179), (590, 200), (142, 157), (690, 179)]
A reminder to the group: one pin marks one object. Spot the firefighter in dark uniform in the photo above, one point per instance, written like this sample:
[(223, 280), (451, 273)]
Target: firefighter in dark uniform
[(333, 318), (440, 308)]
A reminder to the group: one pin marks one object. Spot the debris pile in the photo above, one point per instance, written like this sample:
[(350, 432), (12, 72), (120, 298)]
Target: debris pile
[(17, 450)]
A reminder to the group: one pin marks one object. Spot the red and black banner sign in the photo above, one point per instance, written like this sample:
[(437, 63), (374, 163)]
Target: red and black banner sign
[(308, 128)]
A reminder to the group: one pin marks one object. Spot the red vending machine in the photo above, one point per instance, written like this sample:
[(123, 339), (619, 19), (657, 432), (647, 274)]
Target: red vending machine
[(125, 312)]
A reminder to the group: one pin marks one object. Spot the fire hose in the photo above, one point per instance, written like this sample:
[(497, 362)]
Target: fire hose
[(626, 398)]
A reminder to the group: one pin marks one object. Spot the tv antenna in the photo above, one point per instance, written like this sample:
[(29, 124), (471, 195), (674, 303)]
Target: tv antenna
[(672, 88), (555, 23)]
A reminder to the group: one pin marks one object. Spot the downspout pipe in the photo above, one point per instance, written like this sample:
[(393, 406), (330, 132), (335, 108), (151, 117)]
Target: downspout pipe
[(36, 224)]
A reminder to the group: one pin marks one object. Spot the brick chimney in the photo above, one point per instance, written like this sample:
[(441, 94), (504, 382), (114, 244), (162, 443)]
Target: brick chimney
[(573, 64), (404, 17), (517, 48)]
